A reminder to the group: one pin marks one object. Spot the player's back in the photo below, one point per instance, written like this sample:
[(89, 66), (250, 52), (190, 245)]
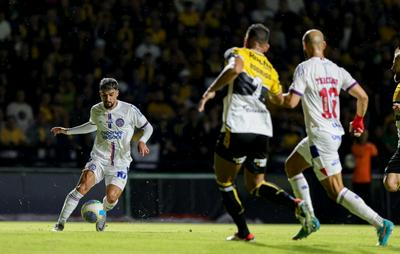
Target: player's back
[(396, 99), (319, 81), (244, 105)]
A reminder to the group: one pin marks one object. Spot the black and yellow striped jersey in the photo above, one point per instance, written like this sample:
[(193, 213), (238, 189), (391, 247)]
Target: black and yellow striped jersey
[(396, 99), (244, 104)]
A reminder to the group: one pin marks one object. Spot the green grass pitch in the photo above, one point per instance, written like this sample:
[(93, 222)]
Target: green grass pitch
[(176, 238)]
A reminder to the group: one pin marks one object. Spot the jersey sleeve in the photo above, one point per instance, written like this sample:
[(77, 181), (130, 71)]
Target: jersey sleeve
[(299, 83), (139, 120), (276, 87), (347, 80), (91, 120), (232, 52), (396, 94)]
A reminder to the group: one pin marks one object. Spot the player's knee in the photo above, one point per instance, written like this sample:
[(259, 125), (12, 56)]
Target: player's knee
[(222, 183), (390, 185), (83, 188)]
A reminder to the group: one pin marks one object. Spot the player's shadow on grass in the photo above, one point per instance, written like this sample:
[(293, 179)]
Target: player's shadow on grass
[(315, 249), (304, 249)]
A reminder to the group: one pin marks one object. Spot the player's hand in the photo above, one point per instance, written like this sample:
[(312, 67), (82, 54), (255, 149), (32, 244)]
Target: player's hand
[(142, 148), (356, 127), (58, 130), (206, 96), (396, 107)]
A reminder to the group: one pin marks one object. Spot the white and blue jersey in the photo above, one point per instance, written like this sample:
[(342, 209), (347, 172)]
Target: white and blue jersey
[(319, 81), (115, 128)]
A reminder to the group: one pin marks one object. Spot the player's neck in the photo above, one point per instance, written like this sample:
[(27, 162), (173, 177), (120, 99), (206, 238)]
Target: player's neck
[(113, 106), (318, 53)]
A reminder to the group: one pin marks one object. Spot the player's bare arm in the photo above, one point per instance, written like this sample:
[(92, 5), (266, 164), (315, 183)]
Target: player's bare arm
[(290, 100), (146, 131), (229, 73), (277, 99), (356, 127), (142, 148)]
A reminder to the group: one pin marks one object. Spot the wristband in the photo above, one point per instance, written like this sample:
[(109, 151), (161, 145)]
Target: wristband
[(358, 123)]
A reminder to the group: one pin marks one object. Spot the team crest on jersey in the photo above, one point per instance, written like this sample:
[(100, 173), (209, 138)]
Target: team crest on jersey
[(92, 166), (120, 122)]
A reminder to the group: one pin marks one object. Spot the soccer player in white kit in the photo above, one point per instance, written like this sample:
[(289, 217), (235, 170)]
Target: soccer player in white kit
[(317, 83), (114, 122)]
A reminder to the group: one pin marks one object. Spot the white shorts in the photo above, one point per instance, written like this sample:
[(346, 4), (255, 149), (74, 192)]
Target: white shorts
[(111, 174), (321, 151)]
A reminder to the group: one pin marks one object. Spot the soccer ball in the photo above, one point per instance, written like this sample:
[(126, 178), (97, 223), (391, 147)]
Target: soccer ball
[(92, 211)]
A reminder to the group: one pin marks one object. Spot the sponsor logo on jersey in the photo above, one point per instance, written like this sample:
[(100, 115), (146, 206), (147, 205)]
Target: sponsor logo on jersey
[(254, 110), (121, 174), (120, 122), (109, 135), (336, 137)]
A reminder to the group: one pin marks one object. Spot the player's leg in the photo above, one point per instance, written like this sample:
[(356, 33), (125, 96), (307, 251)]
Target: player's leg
[(257, 186), (225, 172), (86, 182), (327, 167), (300, 159), (228, 158), (391, 180), (115, 181), (255, 165), (295, 164), (334, 187)]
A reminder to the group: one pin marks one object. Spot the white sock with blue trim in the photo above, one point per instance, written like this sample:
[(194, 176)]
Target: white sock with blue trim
[(357, 206), (108, 206), (302, 190), (70, 203)]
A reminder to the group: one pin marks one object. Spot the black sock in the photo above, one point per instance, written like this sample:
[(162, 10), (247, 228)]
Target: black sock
[(275, 194), (235, 209)]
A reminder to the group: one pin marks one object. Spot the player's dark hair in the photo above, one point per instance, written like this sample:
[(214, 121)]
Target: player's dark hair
[(257, 33), (108, 83)]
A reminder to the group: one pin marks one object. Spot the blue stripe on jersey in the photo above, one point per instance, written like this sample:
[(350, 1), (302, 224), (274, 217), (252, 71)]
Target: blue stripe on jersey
[(112, 153), (314, 151), (109, 121)]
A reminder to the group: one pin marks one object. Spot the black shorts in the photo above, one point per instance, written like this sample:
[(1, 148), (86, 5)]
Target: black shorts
[(394, 163), (248, 149)]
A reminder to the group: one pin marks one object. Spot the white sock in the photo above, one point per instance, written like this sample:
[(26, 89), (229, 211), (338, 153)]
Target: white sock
[(107, 206), (357, 206), (70, 203), (301, 190)]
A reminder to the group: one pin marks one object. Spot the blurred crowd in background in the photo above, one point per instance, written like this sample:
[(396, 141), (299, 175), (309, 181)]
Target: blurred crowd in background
[(164, 54)]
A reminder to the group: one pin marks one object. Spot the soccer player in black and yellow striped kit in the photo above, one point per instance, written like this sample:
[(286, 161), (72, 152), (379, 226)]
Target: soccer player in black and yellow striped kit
[(391, 179), (249, 79)]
